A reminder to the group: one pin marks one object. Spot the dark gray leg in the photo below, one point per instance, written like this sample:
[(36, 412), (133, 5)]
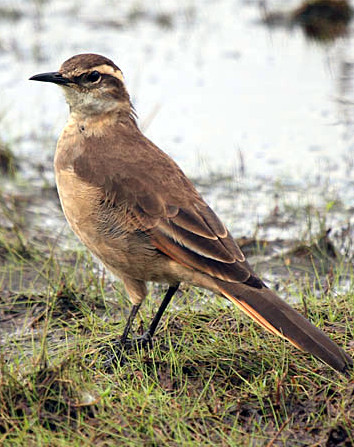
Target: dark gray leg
[(129, 324), (145, 339), (165, 302)]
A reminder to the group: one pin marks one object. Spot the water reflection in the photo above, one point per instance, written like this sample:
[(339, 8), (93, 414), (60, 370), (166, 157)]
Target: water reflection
[(212, 85)]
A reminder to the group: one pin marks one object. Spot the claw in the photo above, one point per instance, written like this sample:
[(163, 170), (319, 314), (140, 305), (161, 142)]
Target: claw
[(113, 352), (142, 342)]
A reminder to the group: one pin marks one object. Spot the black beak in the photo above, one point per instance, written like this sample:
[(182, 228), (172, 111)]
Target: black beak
[(54, 77)]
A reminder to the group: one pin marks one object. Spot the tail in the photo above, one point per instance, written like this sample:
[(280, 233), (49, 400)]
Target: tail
[(275, 315)]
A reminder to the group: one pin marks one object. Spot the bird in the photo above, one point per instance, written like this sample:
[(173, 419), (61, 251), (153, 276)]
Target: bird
[(139, 214)]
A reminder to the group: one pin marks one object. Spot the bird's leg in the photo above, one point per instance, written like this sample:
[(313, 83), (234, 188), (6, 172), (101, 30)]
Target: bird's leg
[(128, 326), (114, 351), (146, 338), (165, 302)]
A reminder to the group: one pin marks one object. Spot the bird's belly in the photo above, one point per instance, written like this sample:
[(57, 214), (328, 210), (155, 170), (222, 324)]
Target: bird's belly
[(79, 204), (125, 254)]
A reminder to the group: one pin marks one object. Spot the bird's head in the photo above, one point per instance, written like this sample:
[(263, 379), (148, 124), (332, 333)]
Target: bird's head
[(92, 85)]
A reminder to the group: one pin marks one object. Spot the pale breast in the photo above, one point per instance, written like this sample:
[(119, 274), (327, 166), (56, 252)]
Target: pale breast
[(122, 252), (103, 227), (79, 202), (78, 198)]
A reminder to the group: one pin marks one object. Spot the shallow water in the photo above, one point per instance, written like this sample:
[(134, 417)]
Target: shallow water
[(213, 86)]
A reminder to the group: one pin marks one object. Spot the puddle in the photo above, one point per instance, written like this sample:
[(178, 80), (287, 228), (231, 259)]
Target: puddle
[(260, 117), (214, 83)]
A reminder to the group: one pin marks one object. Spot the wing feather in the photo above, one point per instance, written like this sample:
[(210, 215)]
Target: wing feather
[(154, 196)]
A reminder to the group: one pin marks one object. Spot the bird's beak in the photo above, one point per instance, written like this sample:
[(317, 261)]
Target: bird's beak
[(54, 76)]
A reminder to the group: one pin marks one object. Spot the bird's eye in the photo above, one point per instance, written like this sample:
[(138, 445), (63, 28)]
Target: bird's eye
[(94, 76)]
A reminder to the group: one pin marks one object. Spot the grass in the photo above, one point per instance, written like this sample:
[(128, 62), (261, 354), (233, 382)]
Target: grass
[(212, 378), (8, 162)]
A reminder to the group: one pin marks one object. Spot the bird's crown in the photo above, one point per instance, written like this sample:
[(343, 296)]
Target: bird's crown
[(87, 63)]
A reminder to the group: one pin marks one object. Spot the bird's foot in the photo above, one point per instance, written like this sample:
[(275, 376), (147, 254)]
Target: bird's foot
[(135, 343), (113, 353)]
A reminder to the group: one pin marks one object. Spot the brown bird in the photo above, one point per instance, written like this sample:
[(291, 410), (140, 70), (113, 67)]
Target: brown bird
[(134, 208)]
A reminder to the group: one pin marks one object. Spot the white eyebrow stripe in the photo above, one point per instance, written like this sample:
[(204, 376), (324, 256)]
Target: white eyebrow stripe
[(104, 69), (108, 69)]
